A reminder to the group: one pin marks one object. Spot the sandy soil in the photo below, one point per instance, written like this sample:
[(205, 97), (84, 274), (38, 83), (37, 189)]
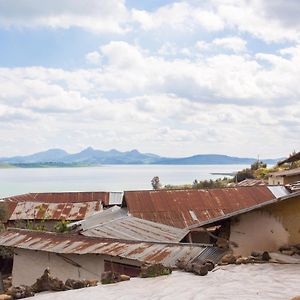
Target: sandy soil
[(267, 281)]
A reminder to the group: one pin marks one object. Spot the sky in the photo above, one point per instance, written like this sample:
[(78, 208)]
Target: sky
[(175, 78)]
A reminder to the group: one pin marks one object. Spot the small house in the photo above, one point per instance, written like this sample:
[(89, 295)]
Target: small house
[(284, 177)]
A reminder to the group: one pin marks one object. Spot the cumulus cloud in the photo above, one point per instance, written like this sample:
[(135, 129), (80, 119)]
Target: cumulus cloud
[(93, 58), (236, 44)]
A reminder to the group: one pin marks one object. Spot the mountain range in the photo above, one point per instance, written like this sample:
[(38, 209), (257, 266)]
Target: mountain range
[(90, 156)]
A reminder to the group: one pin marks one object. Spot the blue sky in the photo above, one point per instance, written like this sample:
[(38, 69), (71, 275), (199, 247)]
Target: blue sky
[(169, 77)]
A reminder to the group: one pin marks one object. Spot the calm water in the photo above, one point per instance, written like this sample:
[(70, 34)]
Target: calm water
[(107, 178)]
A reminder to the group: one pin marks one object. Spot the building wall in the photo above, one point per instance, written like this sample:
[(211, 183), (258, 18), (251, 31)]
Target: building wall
[(29, 265), (282, 180), (268, 228)]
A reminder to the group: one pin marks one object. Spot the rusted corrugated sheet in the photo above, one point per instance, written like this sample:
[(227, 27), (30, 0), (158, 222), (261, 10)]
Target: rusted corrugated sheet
[(292, 158), (53, 211), (164, 253), (183, 208), (291, 172), (251, 182), (62, 197)]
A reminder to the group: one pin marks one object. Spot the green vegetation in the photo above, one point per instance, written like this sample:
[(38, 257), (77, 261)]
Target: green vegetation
[(61, 226)]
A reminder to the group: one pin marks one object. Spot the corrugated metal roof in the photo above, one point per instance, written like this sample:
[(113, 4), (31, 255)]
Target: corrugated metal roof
[(295, 195), (115, 198), (278, 190), (62, 197), (115, 223), (165, 253), (293, 187), (292, 158), (251, 182), (52, 211), (183, 208), (287, 173)]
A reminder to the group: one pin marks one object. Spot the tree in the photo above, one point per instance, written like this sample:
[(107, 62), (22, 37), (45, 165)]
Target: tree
[(258, 165), (156, 183)]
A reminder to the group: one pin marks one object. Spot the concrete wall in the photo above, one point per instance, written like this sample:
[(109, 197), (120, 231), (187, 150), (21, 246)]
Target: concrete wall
[(29, 265), (268, 228), (282, 180)]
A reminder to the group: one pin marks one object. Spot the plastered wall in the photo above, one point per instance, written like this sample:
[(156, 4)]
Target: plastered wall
[(268, 228)]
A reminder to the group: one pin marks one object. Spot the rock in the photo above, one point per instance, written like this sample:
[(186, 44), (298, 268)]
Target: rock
[(228, 259), (5, 297), (201, 270), (296, 298), (75, 284), (239, 261), (154, 270), (210, 265), (265, 256), (288, 252), (92, 282), (20, 292), (110, 277), (222, 243), (256, 254), (284, 247), (124, 277), (48, 283)]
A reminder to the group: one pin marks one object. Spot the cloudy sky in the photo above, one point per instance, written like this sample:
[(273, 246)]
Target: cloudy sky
[(160, 76)]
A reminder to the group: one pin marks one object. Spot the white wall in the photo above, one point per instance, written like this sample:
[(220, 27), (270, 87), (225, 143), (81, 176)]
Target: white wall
[(30, 265), (257, 231)]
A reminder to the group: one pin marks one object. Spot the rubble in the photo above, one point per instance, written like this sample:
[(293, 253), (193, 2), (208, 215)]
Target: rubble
[(198, 268), (47, 283), (154, 270)]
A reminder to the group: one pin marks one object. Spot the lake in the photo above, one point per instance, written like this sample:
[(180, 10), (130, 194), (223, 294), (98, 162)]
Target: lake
[(105, 178)]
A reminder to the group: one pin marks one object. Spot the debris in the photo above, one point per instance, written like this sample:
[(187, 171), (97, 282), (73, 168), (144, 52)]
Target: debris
[(154, 270), (73, 284), (265, 256), (110, 277), (20, 292), (5, 297), (48, 283), (124, 277), (228, 259)]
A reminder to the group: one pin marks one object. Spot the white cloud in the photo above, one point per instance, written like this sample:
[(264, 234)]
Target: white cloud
[(93, 58), (236, 44), (94, 15)]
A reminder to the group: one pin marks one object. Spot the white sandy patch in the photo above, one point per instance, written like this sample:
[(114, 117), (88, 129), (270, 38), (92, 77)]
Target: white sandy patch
[(267, 281)]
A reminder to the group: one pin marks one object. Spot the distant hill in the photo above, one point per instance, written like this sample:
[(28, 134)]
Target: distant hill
[(90, 156)]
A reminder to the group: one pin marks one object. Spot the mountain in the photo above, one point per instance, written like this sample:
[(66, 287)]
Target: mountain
[(51, 155), (90, 156)]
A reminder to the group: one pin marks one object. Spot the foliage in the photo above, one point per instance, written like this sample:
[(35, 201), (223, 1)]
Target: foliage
[(155, 182), (61, 226), (258, 165), (210, 184), (3, 213), (244, 174)]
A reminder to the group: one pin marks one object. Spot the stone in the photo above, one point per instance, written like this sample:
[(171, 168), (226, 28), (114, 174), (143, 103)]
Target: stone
[(5, 297), (239, 261), (124, 277), (48, 283), (210, 265), (20, 292), (201, 270), (265, 256), (154, 270), (228, 259), (110, 277), (288, 252), (256, 254), (75, 284)]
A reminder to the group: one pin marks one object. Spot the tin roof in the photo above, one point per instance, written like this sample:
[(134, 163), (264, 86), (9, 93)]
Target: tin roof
[(28, 210), (251, 182), (165, 253), (115, 198), (62, 197), (183, 208), (292, 158), (285, 197), (291, 172), (115, 223)]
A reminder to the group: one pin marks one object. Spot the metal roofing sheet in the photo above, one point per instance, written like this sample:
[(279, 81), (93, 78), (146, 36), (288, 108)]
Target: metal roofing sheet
[(165, 253), (52, 211), (61, 197), (292, 158), (183, 208), (291, 172), (115, 198), (251, 182)]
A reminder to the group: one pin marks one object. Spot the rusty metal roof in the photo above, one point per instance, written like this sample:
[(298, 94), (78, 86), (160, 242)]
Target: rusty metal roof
[(116, 223), (251, 182), (291, 172), (165, 253), (292, 158), (183, 208), (28, 210), (62, 197)]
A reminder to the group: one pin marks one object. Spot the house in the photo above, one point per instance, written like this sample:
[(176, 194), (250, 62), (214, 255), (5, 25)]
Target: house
[(117, 224), (184, 208), (293, 158), (44, 210), (251, 182), (262, 227), (77, 256), (284, 177)]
